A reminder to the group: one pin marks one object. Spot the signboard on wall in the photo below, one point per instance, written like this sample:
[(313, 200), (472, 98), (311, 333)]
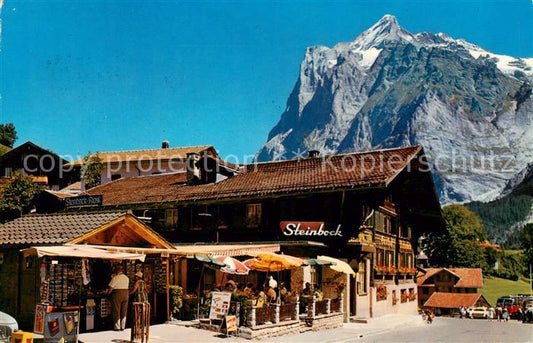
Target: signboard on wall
[(306, 229), (219, 305), (84, 200)]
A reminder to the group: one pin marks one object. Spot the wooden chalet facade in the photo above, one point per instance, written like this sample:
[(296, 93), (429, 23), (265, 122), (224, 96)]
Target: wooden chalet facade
[(28, 280), (45, 167), (461, 285), (373, 205)]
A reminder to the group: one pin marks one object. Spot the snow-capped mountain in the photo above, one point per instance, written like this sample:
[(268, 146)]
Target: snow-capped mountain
[(472, 110)]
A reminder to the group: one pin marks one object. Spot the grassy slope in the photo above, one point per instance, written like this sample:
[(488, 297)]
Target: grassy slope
[(496, 287)]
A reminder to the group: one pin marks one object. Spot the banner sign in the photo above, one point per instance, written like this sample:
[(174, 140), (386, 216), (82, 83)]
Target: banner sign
[(84, 200), (296, 228), (231, 323), (219, 305), (38, 326)]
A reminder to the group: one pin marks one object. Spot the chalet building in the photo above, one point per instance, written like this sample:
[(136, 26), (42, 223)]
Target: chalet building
[(45, 167), (122, 164), (53, 276), (368, 209), (446, 289)]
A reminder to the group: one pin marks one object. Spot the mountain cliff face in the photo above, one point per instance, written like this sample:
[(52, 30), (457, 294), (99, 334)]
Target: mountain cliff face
[(471, 110)]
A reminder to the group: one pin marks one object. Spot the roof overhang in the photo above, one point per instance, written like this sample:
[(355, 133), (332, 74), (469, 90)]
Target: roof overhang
[(81, 251), (227, 249)]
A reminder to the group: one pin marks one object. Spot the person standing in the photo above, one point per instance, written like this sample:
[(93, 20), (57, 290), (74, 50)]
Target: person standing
[(139, 289), (499, 313), (119, 291), (272, 283)]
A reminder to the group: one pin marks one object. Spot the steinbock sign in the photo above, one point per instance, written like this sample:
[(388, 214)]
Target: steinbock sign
[(295, 228), (84, 200)]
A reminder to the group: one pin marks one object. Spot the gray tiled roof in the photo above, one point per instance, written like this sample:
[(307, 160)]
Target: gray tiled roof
[(54, 228)]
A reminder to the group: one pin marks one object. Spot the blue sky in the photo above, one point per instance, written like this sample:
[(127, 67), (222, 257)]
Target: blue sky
[(79, 76)]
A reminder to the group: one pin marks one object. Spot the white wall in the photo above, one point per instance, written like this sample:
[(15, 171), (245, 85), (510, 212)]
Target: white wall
[(384, 307), (130, 170)]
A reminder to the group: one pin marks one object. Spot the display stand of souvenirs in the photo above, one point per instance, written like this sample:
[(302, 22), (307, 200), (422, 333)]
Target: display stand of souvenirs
[(73, 296)]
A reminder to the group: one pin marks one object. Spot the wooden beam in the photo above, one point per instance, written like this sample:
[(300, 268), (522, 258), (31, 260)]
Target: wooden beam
[(168, 289)]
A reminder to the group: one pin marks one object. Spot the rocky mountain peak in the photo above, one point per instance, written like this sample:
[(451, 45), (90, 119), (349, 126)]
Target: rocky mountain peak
[(386, 30), (391, 88)]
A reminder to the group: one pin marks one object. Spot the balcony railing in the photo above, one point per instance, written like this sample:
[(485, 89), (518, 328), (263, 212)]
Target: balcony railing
[(276, 313), (265, 314), (335, 305), (287, 311), (321, 307)]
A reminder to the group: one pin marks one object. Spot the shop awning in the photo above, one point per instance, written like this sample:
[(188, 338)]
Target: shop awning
[(317, 262), (81, 251), (340, 266), (136, 250), (227, 249), (271, 262)]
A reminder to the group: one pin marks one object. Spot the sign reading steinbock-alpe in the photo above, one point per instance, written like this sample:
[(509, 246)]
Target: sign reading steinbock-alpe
[(296, 228)]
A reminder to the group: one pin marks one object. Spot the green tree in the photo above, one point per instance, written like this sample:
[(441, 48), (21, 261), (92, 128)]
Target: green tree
[(526, 241), (17, 198), (460, 245), (91, 170), (8, 134)]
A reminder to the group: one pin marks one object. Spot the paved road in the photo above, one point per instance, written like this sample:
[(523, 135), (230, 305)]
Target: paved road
[(457, 330), (394, 328)]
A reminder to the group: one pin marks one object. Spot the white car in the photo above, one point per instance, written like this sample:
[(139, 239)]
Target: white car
[(8, 324), (478, 312)]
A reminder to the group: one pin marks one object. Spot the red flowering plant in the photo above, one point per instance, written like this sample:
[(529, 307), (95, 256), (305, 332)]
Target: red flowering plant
[(403, 270), (391, 270), (381, 292), (412, 271), (405, 297), (380, 269)]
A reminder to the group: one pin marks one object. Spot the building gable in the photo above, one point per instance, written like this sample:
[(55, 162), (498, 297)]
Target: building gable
[(124, 231)]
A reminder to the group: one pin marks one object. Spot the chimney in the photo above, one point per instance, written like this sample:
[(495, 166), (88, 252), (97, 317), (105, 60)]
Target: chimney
[(193, 170), (313, 153), (165, 144)]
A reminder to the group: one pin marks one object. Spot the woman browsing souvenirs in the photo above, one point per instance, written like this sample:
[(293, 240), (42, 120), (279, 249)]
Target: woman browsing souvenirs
[(139, 289)]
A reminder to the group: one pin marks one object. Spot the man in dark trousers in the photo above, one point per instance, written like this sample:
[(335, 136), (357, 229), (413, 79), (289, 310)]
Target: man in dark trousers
[(119, 290)]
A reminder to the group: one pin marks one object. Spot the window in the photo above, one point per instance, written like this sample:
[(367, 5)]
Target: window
[(171, 217), (115, 177), (389, 258), (384, 223), (425, 290), (406, 260), (361, 278), (379, 257), (253, 215), (8, 172)]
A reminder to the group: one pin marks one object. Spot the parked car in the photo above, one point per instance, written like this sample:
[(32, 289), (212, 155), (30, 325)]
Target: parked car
[(8, 324), (512, 304), (527, 309), (477, 312)]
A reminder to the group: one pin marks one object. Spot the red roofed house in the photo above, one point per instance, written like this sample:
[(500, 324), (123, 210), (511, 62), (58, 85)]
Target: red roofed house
[(449, 303), (449, 288)]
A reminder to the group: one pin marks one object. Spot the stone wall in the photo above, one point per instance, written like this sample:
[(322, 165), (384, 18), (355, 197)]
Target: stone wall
[(270, 330), (322, 322)]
